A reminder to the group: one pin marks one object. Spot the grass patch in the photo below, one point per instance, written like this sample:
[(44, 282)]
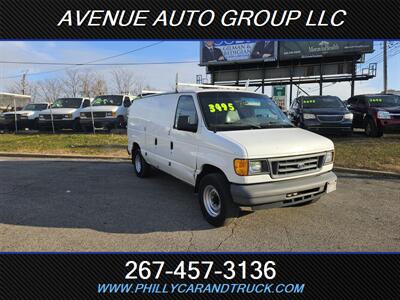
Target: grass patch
[(356, 152), (79, 144), (368, 153)]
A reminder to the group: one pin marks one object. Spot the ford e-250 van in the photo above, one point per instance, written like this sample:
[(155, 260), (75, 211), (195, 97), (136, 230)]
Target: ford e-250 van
[(236, 148), (64, 113)]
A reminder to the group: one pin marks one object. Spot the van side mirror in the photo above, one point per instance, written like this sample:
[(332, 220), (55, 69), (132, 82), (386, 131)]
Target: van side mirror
[(184, 125), (127, 103)]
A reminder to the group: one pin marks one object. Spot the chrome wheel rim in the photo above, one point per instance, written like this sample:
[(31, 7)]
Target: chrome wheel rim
[(212, 201), (138, 163)]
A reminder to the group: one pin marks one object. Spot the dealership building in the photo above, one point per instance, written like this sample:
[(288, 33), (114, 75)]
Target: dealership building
[(9, 101)]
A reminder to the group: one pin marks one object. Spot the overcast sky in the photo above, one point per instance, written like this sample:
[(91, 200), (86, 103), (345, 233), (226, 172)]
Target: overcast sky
[(161, 77)]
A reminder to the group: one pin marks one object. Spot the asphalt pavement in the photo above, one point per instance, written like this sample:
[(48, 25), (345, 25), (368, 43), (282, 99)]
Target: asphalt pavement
[(65, 205)]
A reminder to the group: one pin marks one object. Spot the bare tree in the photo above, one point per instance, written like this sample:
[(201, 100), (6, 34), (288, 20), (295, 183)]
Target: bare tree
[(99, 86), (50, 89), (85, 78), (72, 83), (126, 82), (28, 88)]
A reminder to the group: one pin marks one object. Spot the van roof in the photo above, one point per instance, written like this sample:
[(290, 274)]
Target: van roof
[(197, 92)]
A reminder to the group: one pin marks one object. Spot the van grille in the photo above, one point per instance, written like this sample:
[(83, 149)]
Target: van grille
[(296, 165), (96, 114), (330, 118), (55, 117)]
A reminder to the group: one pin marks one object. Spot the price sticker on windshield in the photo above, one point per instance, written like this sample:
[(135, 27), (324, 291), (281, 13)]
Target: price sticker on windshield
[(219, 107), (311, 101), (376, 100)]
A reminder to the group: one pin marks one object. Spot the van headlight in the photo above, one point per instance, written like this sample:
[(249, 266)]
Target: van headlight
[(41, 117), (110, 114), (245, 167), (383, 115), (329, 157), (309, 116), (348, 116), (83, 115), (67, 116)]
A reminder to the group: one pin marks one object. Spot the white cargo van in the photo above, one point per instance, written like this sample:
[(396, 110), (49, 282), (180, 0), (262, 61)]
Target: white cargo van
[(107, 112), (28, 117), (64, 113), (236, 148)]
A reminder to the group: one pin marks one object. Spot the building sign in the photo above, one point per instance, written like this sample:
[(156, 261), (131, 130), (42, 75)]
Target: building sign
[(299, 50), (226, 51), (279, 95)]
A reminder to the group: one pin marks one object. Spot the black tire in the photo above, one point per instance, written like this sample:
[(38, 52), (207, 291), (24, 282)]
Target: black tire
[(142, 168), (76, 126), (42, 128), (371, 129), (87, 128), (36, 124), (224, 211), (121, 124)]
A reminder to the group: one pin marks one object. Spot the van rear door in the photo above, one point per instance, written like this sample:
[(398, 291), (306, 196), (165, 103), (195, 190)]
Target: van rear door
[(184, 140)]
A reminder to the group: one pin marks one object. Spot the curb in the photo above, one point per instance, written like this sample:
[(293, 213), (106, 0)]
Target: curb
[(110, 158), (367, 172), (62, 156)]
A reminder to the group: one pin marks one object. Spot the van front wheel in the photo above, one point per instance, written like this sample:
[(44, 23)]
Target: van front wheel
[(142, 168), (216, 201)]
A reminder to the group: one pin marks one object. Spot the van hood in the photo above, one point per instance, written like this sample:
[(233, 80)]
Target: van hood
[(62, 111), (326, 111), (391, 109), (101, 108), (21, 112), (277, 142)]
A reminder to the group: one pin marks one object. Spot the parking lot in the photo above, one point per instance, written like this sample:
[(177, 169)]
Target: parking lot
[(53, 205)]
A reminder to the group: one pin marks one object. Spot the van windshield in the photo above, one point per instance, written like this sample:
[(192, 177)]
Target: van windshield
[(225, 111), (322, 102), (384, 100), (35, 107), (113, 100), (67, 103)]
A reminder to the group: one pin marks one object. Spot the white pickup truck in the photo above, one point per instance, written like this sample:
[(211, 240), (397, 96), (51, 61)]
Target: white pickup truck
[(236, 148), (28, 117)]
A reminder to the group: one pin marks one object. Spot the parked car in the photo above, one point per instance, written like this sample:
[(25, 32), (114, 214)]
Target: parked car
[(235, 148), (28, 117), (109, 111), (375, 113), (322, 114), (64, 113)]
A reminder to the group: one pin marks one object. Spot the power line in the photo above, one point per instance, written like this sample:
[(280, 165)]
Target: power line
[(99, 64), (87, 63)]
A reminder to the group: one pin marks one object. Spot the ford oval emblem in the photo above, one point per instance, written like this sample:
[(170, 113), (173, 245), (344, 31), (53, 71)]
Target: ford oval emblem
[(300, 166)]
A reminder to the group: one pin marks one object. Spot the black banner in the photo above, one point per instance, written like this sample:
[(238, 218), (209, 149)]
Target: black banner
[(204, 276), (192, 19)]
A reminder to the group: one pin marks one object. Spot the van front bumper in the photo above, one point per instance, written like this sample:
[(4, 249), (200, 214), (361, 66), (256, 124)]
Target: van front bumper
[(100, 122), (285, 192)]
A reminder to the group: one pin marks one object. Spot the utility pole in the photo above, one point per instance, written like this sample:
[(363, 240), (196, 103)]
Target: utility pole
[(385, 69), (23, 83)]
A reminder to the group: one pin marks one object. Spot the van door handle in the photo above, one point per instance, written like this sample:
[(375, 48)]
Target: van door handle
[(171, 145), (155, 141)]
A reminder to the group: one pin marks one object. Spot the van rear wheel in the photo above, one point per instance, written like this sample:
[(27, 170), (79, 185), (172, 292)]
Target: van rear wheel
[(216, 201), (142, 168)]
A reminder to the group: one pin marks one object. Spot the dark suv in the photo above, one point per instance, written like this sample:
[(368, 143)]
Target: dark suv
[(375, 113), (323, 114)]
